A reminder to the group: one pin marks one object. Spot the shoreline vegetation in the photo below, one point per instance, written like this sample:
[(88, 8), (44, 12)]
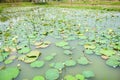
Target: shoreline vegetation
[(102, 5)]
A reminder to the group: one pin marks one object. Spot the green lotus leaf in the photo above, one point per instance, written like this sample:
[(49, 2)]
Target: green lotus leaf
[(107, 52), (52, 74), (61, 44), (88, 74), (83, 61), (113, 62), (79, 77), (8, 61), (9, 73), (69, 77), (38, 78), (66, 47), (67, 52), (37, 64), (87, 51), (71, 38), (70, 63), (24, 50), (58, 65), (48, 58)]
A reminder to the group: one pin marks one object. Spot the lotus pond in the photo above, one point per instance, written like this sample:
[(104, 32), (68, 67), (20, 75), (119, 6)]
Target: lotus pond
[(59, 44)]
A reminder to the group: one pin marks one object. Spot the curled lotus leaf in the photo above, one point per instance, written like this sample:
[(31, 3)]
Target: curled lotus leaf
[(70, 63), (38, 78), (37, 64), (52, 74), (30, 57), (61, 43), (42, 44), (88, 74), (9, 73)]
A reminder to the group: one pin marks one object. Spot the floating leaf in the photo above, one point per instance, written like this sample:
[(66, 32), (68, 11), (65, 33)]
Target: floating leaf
[(52, 74), (37, 64), (79, 77), (70, 63), (48, 58), (61, 44), (83, 61), (8, 61), (87, 51), (58, 65), (69, 77), (66, 47), (9, 73), (88, 74), (24, 50), (113, 62), (107, 52), (38, 78), (67, 52)]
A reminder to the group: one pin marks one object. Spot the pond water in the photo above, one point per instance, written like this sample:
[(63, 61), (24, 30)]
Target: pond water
[(69, 21)]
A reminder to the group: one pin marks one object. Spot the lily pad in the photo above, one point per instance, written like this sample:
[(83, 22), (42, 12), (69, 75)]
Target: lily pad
[(79, 77), (88, 74), (113, 62), (67, 52), (87, 51), (69, 77), (48, 58), (66, 47), (37, 64), (83, 61), (61, 44), (107, 52), (9, 73), (58, 65), (8, 61), (70, 63), (24, 50), (52, 74), (38, 78)]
